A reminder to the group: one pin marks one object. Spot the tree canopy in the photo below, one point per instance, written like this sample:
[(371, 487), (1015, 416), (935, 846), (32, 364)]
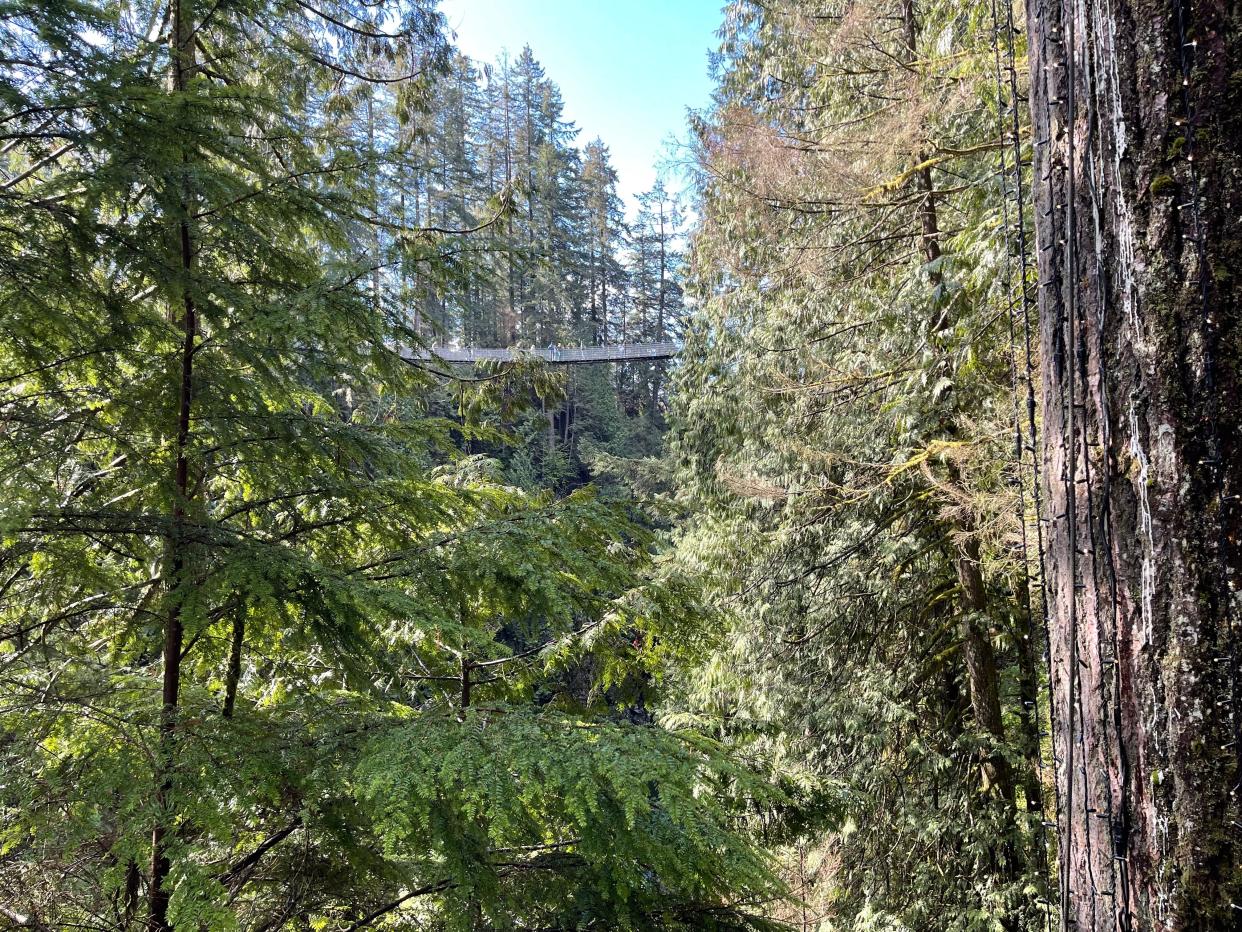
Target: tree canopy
[(903, 598)]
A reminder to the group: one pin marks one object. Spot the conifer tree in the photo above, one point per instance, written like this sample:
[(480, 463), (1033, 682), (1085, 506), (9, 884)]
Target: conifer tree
[(844, 443), (604, 232), (275, 654), (656, 292)]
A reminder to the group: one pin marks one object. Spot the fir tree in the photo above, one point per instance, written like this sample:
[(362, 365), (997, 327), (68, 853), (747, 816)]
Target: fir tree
[(276, 655)]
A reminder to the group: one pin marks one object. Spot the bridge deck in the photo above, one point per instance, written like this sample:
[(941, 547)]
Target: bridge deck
[(560, 355)]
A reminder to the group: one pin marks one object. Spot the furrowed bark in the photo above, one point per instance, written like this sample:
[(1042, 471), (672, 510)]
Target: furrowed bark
[(1137, 114)]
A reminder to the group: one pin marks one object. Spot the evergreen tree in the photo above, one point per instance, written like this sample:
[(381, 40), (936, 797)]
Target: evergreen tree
[(275, 654), (843, 439), (604, 234), (656, 292)]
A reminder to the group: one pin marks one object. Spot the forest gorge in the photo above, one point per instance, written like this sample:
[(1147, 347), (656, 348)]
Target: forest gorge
[(904, 598)]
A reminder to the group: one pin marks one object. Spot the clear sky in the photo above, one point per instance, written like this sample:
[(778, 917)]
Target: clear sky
[(627, 69)]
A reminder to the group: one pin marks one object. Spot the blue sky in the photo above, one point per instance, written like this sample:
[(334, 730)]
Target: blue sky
[(627, 69)]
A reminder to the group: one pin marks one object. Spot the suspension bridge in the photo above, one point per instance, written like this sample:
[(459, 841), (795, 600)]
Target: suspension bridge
[(554, 354)]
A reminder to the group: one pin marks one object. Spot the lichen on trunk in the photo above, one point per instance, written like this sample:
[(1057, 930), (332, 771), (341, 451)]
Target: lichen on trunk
[(1137, 154)]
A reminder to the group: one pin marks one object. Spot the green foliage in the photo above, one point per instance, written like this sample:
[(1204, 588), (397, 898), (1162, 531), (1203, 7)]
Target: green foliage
[(276, 651), (544, 821), (842, 437), (553, 260)]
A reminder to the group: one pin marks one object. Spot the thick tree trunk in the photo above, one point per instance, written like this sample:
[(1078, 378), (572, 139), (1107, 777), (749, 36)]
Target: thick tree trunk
[(1138, 185)]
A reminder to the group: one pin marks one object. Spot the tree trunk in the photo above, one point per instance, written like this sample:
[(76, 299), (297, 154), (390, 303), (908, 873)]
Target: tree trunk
[(980, 659), (232, 675), (977, 651), (1138, 129), (182, 64), (1028, 711)]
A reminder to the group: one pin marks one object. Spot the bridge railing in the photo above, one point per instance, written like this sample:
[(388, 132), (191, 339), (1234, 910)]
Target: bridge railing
[(557, 354)]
